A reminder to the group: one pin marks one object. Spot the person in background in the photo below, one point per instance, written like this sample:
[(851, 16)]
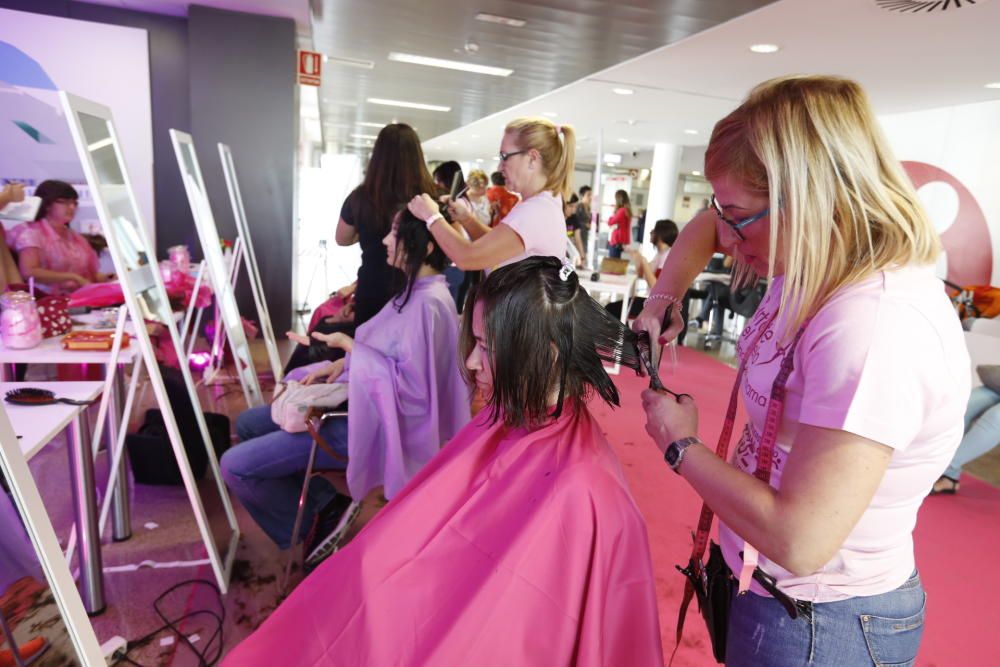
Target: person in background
[(475, 196), (501, 199), (982, 432), (809, 194), (583, 214), (662, 236), (574, 233), (519, 543), (406, 398), (445, 176), (396, 173), (536, 158), (58, 257), (620, 224), (9, 273)]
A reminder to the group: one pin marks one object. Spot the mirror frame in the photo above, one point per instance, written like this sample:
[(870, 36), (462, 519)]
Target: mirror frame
[(222, 564), (208, 235), (250, 259), (29, 504)]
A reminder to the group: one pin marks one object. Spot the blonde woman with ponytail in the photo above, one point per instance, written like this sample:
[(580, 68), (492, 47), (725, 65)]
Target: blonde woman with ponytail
[(536, 159), (854, 356)]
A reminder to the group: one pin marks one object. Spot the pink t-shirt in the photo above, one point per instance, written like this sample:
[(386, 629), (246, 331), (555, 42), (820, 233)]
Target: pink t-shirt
[(70, 253), (884, 359), (539, 222)]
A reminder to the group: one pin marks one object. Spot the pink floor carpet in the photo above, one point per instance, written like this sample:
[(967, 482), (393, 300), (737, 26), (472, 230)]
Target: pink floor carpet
[(957, 541)]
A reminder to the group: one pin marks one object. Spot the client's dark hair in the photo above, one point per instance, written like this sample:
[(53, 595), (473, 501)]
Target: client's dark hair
[(49, 191), (541, 332), (412, 237), (665, 231)]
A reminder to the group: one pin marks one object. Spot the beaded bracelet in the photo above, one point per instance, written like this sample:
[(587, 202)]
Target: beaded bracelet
[(665, 297)]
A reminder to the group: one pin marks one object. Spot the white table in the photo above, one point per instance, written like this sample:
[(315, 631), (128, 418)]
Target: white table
[(611, 283), (36, 426), (50, 351)]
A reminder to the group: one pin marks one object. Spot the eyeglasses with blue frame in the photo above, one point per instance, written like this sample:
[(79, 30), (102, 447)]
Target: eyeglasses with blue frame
[(737, 225)]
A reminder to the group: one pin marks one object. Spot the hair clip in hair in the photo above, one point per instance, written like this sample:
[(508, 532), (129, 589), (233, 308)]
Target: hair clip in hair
[(565, 272)]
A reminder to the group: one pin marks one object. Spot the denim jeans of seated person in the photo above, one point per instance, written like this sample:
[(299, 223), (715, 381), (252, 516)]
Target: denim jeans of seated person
[(882, 630), (265, 471)]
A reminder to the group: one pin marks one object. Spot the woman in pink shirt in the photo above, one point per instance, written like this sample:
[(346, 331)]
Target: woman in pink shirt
[(620, 224), (853, 373), (536, 159), (49, 250)]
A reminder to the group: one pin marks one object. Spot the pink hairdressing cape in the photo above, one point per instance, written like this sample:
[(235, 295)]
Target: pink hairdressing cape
[(508, 548)]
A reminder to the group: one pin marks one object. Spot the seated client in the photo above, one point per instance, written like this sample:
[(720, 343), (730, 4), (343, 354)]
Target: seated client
[(406, 397), (519, 543)]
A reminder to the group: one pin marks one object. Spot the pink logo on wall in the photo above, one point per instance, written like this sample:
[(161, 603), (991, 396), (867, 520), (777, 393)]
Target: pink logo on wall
[(967, 240)]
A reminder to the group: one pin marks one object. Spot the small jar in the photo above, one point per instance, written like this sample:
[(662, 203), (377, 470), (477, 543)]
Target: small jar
[(20, 326), (180, 257)]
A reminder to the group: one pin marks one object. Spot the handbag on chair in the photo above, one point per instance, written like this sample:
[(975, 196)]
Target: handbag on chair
[(293, 401)]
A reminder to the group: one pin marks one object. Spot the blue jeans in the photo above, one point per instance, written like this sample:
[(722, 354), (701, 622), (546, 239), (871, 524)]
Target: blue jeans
[(266, 471), (882, 630), (615, 251), (982, 429)]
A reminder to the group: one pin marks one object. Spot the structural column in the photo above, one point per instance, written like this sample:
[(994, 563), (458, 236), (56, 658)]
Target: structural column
[(662, 188)]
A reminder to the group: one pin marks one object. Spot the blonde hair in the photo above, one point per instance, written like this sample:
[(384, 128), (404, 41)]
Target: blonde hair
[(839, 198), (478, 176), (557, 146)]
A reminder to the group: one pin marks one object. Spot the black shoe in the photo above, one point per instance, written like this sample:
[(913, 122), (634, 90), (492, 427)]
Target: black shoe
[(329, 529)]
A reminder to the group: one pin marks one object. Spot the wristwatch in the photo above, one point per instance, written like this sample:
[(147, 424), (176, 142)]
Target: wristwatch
[(675, 452)]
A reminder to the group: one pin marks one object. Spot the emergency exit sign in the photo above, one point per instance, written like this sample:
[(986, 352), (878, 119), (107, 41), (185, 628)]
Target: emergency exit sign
[(310, 68)]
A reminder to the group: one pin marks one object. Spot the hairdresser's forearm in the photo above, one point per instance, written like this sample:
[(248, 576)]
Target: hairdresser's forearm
[(474, 227), (688, 256)]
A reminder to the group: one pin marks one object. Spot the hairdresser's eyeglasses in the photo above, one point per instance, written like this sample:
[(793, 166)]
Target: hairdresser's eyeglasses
[(504, 156), (737, 225)]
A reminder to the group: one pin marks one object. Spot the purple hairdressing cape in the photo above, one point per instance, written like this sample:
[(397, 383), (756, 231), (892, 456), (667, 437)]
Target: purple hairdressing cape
[(406, 393)]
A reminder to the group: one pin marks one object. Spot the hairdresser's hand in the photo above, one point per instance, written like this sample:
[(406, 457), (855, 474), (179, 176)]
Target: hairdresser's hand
[(297, 338), (651, 321), (669, 419), (12, 192), (335, 339), (459, 210), (423, 206)]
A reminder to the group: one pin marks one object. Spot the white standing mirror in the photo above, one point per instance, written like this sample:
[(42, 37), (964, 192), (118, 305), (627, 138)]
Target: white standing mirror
[(146, 298), (208, 234), (41, 610), (250, 259)]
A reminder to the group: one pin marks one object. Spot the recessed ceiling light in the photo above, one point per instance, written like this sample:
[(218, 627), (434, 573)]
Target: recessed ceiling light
[(550, 114), (474, 136), (480, 160), (622, 91), (623, 141), (696, 173), (367, 124), (449, 64), (453, 142), (349, 62), (364, 136), (764, 48), (407, 105), (995, 84), (690, 131), (501, 20)]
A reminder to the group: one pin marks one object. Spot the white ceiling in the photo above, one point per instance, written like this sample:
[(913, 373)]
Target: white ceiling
[(906, 62)]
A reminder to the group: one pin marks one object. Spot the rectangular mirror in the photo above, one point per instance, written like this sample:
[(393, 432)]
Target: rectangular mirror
[(250, 259), (40, 606), (146, 298), (218, 271)]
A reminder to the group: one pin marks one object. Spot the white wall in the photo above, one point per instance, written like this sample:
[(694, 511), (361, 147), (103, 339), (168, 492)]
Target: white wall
[(103, 63), (953, 156)]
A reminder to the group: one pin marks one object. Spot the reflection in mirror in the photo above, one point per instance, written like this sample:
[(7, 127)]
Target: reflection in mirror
[(218, 270), (147, 300), (41, 614)]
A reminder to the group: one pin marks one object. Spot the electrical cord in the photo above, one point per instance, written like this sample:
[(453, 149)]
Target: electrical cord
[(205, 659)]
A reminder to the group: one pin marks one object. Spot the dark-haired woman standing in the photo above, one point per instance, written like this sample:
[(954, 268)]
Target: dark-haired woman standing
[(519, 543)]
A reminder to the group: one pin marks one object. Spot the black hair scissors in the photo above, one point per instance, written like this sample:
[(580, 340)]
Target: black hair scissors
[(643, 346)]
